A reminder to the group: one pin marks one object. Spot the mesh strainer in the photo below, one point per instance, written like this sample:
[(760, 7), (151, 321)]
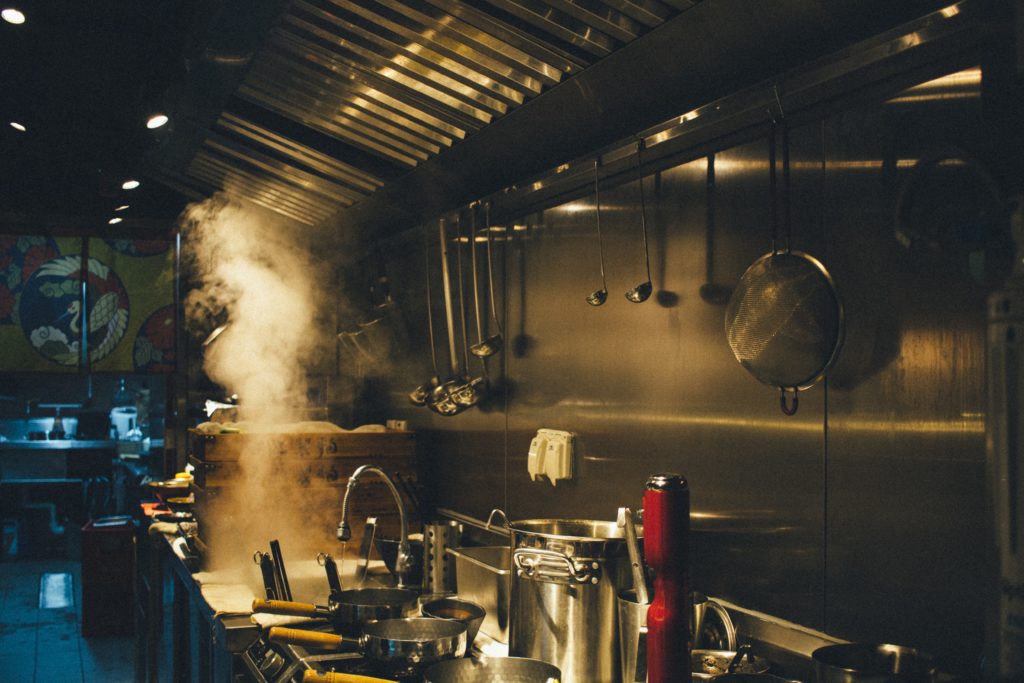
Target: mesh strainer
[(784, 321)]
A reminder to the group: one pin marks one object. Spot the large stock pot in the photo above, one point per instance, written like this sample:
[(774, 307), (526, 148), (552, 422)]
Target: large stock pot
[(565, 577)]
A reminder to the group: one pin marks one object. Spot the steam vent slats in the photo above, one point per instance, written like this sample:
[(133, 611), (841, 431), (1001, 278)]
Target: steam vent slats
[(344, 95)]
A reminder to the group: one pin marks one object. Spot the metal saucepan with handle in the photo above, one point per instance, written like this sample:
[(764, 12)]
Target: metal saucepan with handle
[(493, 670), (347, 610), (394, 646), (784, 321)]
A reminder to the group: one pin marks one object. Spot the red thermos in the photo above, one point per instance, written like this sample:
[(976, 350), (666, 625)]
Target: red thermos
[(667, 552)]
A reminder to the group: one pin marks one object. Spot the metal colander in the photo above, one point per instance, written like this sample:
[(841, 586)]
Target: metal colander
[(784, 321)]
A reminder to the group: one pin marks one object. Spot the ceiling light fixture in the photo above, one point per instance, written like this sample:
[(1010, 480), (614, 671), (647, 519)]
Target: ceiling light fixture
[(130, 184), (115, 220), (12, 16), (156, 121), (122, 207), (17, 126)]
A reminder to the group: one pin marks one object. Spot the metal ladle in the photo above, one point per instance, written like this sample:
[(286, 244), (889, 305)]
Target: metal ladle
[(491, 345), (469, 393), (442, 398), (599, 296), (421, 394), (642, 291)]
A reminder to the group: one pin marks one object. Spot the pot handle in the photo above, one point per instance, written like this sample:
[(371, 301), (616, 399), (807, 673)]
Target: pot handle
[(288, 608), (505, 523), (551, 565), (298, 636), (730, 632), (310, 676)]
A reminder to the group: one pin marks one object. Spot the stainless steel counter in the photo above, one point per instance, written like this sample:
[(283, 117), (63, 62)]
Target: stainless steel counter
[(56, 444)]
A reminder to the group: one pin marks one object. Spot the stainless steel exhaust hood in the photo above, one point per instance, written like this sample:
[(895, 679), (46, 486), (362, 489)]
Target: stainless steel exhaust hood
[(376, 114)]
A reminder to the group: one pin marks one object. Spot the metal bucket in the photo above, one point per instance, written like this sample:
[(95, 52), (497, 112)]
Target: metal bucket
[(565, 577)]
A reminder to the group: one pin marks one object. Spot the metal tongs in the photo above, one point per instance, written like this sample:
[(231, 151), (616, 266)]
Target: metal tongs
[(275, 580), (627, 520)]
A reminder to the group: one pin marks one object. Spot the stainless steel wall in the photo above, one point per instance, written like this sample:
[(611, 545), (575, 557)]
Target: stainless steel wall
[(864, 514)]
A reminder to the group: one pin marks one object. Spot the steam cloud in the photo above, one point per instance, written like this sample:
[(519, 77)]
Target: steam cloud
[(255, 268)]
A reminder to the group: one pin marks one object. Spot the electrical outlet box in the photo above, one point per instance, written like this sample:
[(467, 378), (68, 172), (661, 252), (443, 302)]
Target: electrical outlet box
[(550, 456)]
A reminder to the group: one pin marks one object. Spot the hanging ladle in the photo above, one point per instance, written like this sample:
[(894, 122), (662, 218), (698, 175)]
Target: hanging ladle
[(469, 392), (711, 292), (599, 296), (442, 400), (642, 291), (421, 394), (494, 342), (490, 346)]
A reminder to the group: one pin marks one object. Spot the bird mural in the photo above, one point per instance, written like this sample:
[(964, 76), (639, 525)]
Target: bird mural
[(107, 318)]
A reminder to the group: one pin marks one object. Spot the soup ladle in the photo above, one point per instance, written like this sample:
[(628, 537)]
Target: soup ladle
[(470, 392), (598, 296), (421, 394), (494, 342), (642, 291), (483, 347)]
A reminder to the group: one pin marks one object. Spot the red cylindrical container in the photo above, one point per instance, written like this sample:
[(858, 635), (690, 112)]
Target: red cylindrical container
[(667, 552)]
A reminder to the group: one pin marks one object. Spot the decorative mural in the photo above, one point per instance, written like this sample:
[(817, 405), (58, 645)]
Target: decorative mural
[(128, 323)]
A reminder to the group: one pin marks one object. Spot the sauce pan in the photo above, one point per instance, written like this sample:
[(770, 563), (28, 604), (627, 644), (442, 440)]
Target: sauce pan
[(394, 646)]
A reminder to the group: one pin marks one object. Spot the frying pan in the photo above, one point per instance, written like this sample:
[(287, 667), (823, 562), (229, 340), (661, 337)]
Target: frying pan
[(395, 646), (349, 609), (784, 321)]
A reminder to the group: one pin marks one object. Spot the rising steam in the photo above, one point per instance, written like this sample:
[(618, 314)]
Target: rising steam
[(253, 266), (254, 270)]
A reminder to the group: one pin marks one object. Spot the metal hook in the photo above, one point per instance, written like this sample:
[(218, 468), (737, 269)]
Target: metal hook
[(787, 408)]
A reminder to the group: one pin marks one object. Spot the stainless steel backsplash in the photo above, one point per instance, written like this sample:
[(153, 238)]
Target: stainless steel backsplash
[(864, 515)]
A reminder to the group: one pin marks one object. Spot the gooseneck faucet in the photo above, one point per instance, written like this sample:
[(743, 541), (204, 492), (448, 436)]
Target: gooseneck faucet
[(403, 560)]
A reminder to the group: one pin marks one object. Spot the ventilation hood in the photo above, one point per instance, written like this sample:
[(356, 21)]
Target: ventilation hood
[(377, 114)]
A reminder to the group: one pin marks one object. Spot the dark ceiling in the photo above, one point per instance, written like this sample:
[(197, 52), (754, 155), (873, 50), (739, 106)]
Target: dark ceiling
[(81, 77)]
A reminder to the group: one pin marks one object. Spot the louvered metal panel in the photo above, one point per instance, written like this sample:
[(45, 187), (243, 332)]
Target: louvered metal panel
[(389, 84)]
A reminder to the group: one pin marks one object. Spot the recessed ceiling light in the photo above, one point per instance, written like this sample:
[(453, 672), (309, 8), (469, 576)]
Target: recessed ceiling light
[(122, 207), (17, 126), (115, 220), (12, 16), (156, 120), (130, 184)]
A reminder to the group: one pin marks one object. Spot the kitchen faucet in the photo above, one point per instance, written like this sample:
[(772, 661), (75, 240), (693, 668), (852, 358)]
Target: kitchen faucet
[(403, 559)]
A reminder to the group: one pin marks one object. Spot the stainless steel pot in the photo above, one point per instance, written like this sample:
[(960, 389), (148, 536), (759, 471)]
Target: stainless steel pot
[(492, 670), (870, 663), (565, 577)]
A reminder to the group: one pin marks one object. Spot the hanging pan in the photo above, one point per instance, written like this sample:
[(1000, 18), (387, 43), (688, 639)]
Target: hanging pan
[(784, 321)]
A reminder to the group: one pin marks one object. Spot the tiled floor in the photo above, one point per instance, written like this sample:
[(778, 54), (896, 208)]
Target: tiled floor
[(45, 645)]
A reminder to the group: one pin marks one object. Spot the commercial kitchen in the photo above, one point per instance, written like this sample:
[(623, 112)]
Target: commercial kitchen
[(591, 341)]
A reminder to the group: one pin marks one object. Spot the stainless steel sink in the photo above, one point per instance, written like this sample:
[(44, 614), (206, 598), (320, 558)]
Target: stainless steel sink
[(24, 429)]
